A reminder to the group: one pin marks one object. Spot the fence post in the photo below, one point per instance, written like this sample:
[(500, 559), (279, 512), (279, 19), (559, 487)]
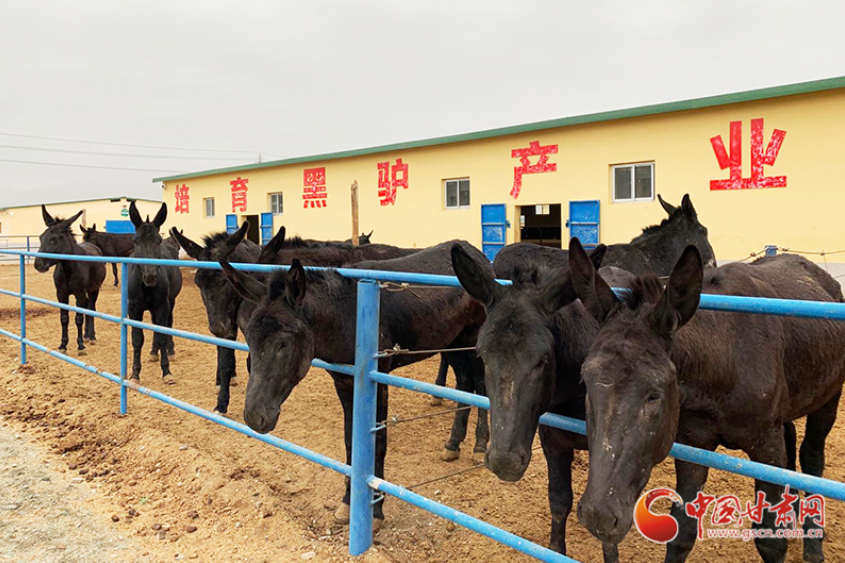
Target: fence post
[(23, 307), (124, 309), (364, 418), (771, 250)]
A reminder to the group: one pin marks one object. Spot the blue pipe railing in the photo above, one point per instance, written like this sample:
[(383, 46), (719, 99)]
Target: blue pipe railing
[(361, 473)]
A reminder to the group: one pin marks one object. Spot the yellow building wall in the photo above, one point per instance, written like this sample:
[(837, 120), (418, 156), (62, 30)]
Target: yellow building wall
[(803, 215), (16, 221)]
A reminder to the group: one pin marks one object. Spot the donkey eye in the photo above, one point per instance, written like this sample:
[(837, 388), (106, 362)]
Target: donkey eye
[(541, 364), (654, 398)]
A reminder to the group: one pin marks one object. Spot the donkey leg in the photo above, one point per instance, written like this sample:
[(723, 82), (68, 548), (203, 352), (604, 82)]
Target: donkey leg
[(790, 441), (159, 317), (464, 379), (559, 458), (114, 271), (225, 369), (79, 318), (381, 451), (690, 479), (171, 348), (482, 429), (90, 335), (442, 372), (819, 425), (136, 314), (344, 389), (64, 315), (771, 449)]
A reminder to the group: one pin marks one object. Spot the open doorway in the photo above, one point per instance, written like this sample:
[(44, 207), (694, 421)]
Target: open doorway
[(253, 233), (540, 224)]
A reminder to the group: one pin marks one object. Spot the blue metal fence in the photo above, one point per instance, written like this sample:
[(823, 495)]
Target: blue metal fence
[(367, 377)]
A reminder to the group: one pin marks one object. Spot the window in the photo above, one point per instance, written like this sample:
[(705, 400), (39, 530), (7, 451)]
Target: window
[(276, 206), (457, 194), (208, 207), (633, 182)]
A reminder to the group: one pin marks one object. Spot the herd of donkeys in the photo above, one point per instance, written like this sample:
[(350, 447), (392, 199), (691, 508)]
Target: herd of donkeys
[(643, 366)]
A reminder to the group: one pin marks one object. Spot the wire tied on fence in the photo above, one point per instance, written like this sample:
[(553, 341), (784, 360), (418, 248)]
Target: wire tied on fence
[(455, 473), (395, 419), (398, 350)]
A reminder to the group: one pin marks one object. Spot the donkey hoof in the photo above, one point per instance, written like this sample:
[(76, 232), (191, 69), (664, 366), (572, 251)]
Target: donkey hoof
[(450, 455), (813, 551), (153, 357), (221, 413), (171, 353), (435, 402), (81, 352), (169, 379), (233, 382), (341, 515), (478, 457), (135, 377), (378, 523), (62, 348)]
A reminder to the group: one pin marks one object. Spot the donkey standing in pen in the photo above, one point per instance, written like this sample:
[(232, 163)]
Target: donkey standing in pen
[(80, 279), (152, 288), (660, 372), (303, 315), (111, 244)]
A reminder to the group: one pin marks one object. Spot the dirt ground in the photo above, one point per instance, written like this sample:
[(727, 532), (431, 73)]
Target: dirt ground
[(249, 502)]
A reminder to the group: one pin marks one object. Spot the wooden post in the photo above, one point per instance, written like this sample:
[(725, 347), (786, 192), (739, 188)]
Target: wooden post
[(354, 189)]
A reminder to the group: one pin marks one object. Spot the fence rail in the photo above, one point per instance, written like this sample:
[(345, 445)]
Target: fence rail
[(367, 377)]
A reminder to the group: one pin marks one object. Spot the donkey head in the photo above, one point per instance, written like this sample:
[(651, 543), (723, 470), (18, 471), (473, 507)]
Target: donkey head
[(517, 344), (219, 297), (280, 339), (148, 241), (681, 229), (56, 239), (633, 396)]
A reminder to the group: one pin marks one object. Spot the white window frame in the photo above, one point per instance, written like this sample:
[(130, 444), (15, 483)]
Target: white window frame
[(633, 197), (281, 202), (205, 201), (446, 193)]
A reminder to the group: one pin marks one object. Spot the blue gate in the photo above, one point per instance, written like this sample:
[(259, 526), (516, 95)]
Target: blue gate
[(120, 227), (266, 227), (493, 229), (231, 223), (583, 222)]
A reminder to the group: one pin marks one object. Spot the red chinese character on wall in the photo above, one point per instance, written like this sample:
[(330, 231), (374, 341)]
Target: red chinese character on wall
[(314, 192), (542, 164), (239, 194), (182, 199), (759, 157), (389, 180)]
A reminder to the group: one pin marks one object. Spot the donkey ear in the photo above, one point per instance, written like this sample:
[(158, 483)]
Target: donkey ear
[(370, 233), (478, 281), (234, 240), (194, 250), (560, 292), (48, 219), (594, 292), (134, 216), (667, 207), (93, 227), (247, 287), (268, 253), (69, 221), (689, 210), (161, 216), (679, 300), (295, 284)]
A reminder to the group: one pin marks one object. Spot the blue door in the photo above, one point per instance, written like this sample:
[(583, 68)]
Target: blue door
[(231, 223), (120, 227), (583, 222), (493, 229), (266, 227)]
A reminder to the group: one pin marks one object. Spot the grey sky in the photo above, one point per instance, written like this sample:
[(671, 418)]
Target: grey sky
[(298, 78)]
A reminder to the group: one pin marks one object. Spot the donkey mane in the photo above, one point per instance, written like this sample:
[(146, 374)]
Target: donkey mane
[(215, 239), (296, 241), (651, 229), (643, 289)]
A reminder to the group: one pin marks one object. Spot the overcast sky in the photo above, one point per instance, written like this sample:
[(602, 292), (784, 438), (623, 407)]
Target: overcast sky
[(296, 78)]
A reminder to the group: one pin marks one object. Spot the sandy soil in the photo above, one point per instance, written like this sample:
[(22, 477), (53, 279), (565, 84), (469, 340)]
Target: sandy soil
[(250, 502)]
